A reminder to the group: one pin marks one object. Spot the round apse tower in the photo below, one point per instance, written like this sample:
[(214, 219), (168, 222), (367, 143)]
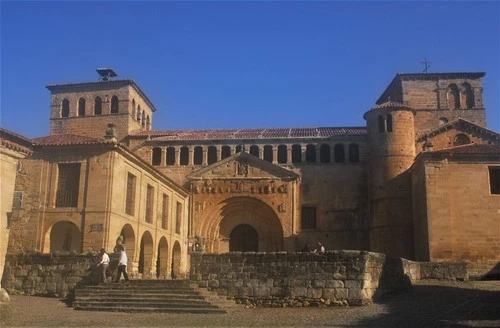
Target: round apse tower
[(391, 151)]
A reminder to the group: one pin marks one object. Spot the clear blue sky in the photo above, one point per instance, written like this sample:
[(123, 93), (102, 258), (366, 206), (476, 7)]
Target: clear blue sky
[(241, 64)]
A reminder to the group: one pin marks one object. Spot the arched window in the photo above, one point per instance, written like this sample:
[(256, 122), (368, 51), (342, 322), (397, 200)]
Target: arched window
[(339, 153), (133, 108), (143, 119), (296, 154), (324, 154), (148, 123), (184, 156), (461, 139), (452, 97), (467, 96), (238, 149), (156, 156), (443, 121), (139, 114), (225, 152), (114, 105), (98, 106), (65, 108), (381, 127), (254, 150), (212, 154), (268, 153), (81, 107), (311, 153), (282, 154), (353, 153), (170, 156), (389, 123), (198, 155)]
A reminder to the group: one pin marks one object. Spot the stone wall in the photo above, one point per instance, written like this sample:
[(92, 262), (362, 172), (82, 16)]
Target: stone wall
[(300, 279), (48, 275)]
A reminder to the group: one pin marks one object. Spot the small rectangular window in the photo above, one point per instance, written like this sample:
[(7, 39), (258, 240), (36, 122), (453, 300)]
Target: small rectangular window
[(494, 180), (130, 201), (68, 185), (164, 212), (18, 199), (178, 218), (149, 204), (308, 217)]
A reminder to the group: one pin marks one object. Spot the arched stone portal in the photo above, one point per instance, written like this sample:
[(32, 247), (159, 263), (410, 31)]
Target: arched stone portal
[(244, 238), (162, 259), (65, 236), (146, 253), (176, 260), (238, 212)]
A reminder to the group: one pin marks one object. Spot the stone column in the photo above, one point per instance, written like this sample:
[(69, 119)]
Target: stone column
[(275, 154), (191, 155), (303, 149), (261, 152), (219, 152), (163, 156), (177, 155), (289, 154), (205, 155)]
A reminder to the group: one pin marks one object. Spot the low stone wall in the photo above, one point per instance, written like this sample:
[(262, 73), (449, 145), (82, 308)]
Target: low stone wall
[(302, 279), (299, 279), (48, 274)]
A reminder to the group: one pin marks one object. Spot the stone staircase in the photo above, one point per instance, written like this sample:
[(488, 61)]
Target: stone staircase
[(149, 296)]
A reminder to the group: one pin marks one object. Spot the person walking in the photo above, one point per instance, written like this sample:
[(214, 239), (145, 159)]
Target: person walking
[(122, 266), (104, 263)]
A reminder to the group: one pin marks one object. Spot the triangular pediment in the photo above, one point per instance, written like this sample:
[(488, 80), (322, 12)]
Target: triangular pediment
[(242, 166), (463, 126)]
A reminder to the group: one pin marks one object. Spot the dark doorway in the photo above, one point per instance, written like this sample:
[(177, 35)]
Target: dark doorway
[(244, 238)]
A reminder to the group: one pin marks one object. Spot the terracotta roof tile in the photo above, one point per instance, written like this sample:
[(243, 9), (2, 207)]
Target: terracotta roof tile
[(470, 149), (265, 133), (67, 139)]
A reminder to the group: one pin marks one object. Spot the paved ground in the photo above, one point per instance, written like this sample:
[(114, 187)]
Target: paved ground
[(427, 304)]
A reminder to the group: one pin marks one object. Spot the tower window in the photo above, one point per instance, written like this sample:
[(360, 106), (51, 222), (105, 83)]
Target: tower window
[(81, 107), (98, 106), (239, 148), (133, 108), (466, 96), (156, 156), (282, 154), (324, 154), (212, 154), (311, 153), (339, 153), (114, 105), (353, 153), (148, 123), (452, 97), (268, 153), (65, 108), (143, 119), (139, 114), (296, 154), (389, 123), (381, 124), (225, 152)]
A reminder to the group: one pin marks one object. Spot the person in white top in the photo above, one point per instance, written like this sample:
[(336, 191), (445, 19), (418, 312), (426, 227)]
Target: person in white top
[(105, 264), (122, 266)]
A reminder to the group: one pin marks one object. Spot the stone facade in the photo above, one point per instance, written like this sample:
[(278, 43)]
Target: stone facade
[(366, 188)]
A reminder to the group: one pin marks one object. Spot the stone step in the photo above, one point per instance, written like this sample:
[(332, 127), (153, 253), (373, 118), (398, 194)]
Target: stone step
[(142, 299), (143, 290), (141, 294), (147, 309), (133, 303)]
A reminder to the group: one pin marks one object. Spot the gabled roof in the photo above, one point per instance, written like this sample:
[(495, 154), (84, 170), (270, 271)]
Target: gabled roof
[(425, 76), (263, 133), (14, 141), (67, 87), (251, 160), (460, 123)]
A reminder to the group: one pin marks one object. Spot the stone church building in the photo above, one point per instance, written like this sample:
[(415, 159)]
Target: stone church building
[(421, 180)]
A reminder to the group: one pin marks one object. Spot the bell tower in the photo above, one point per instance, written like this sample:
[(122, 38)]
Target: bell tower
[(86, 108)]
